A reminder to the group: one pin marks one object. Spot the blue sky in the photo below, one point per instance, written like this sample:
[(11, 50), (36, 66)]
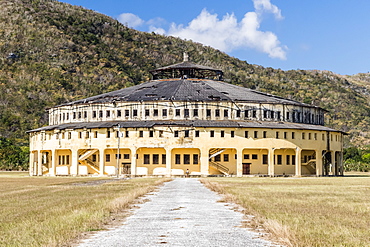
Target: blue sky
[(329, 35)]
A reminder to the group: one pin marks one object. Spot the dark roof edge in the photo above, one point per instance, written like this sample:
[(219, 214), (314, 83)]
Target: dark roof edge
[(188, 123)]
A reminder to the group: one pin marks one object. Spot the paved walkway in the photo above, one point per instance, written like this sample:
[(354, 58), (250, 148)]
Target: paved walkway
[(182, 213)]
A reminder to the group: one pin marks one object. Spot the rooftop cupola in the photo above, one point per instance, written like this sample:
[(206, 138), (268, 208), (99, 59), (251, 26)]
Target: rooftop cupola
[(187, 70)]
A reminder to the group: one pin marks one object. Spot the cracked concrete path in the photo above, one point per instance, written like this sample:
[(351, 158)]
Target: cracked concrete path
[(182, 213)]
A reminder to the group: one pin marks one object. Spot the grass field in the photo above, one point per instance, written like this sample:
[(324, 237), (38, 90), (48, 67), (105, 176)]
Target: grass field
[(46, 211), (332, 211)]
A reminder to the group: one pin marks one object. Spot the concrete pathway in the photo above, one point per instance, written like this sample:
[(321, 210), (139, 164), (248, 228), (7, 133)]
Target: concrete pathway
[(182, 213)]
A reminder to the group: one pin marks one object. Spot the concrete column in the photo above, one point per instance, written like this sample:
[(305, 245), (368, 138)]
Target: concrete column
[(101, 161), (32, 161), (168, 162), (341, 164), (239, 162), (53, 161), (298, 162), (333, 166), (133, 161), (74, 162), (39, 163), (271, 165), (319, 167), (204, 162)]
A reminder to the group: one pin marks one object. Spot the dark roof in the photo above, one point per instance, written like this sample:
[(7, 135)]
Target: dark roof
[(187, 123), (185, 65), (186, 90)]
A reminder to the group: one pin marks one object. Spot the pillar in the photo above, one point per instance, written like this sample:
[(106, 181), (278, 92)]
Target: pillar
[(133, 161), (239, 162), (319, 168), (333, 165), (74, 162), (271, 163), (168, 162), (31, 170), (39, 163), (101, 161), (53, 161), (298, 162), (204, 165)]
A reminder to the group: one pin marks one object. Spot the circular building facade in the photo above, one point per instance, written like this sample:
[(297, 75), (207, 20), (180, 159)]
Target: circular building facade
[(186, 121)]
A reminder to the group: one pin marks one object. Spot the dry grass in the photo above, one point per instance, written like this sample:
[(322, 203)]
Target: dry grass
[(42, 211), (305, 211)]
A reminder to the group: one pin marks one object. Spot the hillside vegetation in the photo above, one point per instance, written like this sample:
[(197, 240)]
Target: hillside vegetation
[(52, 52)]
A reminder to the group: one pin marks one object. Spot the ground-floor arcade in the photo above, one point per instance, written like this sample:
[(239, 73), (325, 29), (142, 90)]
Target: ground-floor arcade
[(159, 161)]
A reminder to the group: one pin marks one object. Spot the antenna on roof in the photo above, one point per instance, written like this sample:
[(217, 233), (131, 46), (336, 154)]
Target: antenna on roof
[(186, 57)]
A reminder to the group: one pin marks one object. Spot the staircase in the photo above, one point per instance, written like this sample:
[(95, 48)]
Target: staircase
[(311, 164), (221, 168), (84, 157)]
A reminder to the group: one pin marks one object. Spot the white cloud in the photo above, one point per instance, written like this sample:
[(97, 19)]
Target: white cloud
[(131, 20), (228, 34)]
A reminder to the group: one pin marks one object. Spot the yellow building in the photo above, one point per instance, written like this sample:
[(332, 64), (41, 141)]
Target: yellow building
[(186, 120)]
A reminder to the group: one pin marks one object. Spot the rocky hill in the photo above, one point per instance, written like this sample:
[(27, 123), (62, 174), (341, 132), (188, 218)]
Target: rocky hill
[(52, 52)]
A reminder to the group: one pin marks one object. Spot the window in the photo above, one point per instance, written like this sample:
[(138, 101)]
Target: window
[(155, 112), (293, 159), (160, 133), (287, 116), (315, 136), (278, 115), (127, 133), (141, 133), (309, 136), (108, 114), (94, 157), (264, 159), (186, 133), (67, 159), (272, 114), (222, 133), (264, 134), (288, 159), (303, 136), (217, 113), (127, 113), (151, 133), (293, 135), (177, 159), (195, 112), (285, 135), (100, 114), (186, 113), (197, 133), (74, 115), (177, 112), (226, 157), (94, 114), (279, 159), (164, 112), (107, 158), (255, 134), (85, 114), (108, 134), (232, 133), (323, 137), (186, 159), (264, 113), (118, 156), (146, 159), (69, 135), (238, 112), (67, 116), (246, 134), (254, 113), (163, 159), (208, 112), (87, 134), (246, 156), (254, 156), (80, 135), (195, 159), (217, 158), (134, 114), (212, 133), (176, 133), (155, 158), (277, 135), (147, 112), (119, 113), (117, 134), (96, 134), (79, 114), (226, 113), (246, 113), (126, 156)]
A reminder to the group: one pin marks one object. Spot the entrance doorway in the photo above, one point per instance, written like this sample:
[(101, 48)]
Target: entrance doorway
[(246, 168)]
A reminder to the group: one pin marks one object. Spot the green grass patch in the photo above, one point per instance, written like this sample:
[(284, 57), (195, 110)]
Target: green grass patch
[(52, 211), (331, 211)]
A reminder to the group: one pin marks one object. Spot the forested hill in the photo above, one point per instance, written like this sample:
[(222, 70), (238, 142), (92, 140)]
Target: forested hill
[(52, 52)]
